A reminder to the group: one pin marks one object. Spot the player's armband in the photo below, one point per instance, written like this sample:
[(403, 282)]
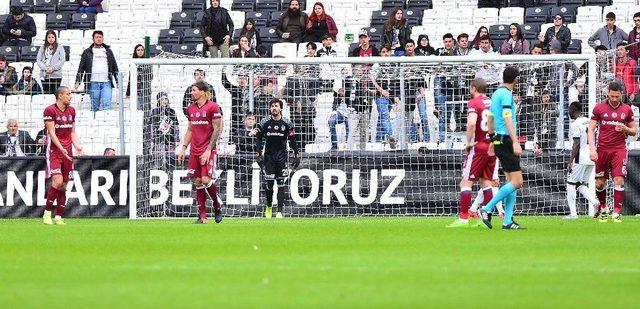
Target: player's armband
[(506, 112)]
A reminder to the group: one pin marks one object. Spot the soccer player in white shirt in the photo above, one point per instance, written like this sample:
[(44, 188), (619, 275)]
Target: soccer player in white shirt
[(580, 165)]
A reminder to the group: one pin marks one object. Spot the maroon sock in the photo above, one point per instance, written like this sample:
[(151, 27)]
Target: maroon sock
[(201, 198), (618, 199), (602, 197), (62, 202), (487, 195), (465, 204), (213, 194), (52, 195)]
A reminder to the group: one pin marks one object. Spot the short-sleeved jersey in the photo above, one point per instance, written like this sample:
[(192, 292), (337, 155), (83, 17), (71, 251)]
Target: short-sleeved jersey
[(578, 129), (64, 121), (201, 119), (480, 106), (607, 118), (502, 101), (276, 134)]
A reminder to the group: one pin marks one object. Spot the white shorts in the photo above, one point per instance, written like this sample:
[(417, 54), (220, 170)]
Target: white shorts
[(580, 173)]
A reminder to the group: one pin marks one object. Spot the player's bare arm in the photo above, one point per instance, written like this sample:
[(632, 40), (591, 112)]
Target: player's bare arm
[(51, 129), (75, 140), (591, 136), (217, 131), (185, 143), (471, 129), (630, 129), (575, 148), (491, 130)]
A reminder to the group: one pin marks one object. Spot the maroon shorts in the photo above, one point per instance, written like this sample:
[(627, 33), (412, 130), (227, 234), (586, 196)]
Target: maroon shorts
[(197, 170), (611, 162), (478, 164), (57, 164)]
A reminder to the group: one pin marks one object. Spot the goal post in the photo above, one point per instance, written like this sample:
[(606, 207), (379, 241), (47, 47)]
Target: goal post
[(399, 154)]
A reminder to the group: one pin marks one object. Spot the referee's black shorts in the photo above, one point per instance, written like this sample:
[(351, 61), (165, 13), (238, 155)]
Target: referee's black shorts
[(504, 151)]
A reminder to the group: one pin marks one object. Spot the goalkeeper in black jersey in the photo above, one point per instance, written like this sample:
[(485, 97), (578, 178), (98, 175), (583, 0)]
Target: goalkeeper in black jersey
[(276, 132)]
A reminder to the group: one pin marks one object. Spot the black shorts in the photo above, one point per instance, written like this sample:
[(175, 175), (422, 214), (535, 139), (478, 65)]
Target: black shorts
[(504, 151), (274, 169)]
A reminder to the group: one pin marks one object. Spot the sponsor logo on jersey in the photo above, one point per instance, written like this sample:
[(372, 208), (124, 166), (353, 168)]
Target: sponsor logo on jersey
[(55, 171), (611, 122), (199, 122), (274, 134), (63, 126)]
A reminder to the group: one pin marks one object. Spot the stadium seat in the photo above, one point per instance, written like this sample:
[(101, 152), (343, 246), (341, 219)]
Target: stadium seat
[(434, 17), (486, 16), (419, 5), (182, 20), (522, 3), (261, 19), (589, 14), (575, 47), (274, 19), (29, 53), (444, 4), (511, 15), (536, 15), (245, 6), (568, 12), (26, 5), (390, 4), (287, 50), (67, 6), (547, 2), (571, 2), (597, 2), (378, 18), (530, 31), (269, 35), (155, 50), (268, 5), (193, 5), (40, 19), (499, 32), (10, 52), (184, 49), (170, 36), (83, 21), (236, 34), (460, 17), (3, 19), (44, 6), (413, 17), (60, 21), (192, 36)]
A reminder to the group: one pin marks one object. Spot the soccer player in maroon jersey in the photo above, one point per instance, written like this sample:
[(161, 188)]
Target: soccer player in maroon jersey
[(59, 121), (614, 121), (479, 165), (203, 132)]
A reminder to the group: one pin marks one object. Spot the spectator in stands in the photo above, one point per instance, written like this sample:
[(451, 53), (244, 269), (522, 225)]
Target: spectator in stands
[(327, 47), (625, 70), (27, 84), (558, 32), (19, 28), (320, 24), (249, 30), (245, 142), (396, 31), (537, 49), (50, 59), (98, 69), (634, 38), (410, 48), (312, 49), (244, 50), (482, 31), (40, 147), (463, 45), (365, 49), (263, 96), (217, 30), (545, 123), (89, 6), (339, 115), (145, 75), (164, 125), (424, 48), (578, 91), (109, 152), (14, 142), (8, 76), (609, 35), (239, 103), (292, 23), (198, 76), (387, 86), (516, 44), (449, 45)]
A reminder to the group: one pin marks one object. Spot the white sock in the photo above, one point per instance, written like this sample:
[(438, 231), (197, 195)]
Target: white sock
[(58, 217), (499, 204), (477, 201), (47, 212), (571, 199), (590, 195)]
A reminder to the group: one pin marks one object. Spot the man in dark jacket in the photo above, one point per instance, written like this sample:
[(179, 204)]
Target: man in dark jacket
[(217, 30), (198, 76), (14, 142), (19, 28), (558, 32), (365, 49), (239, 105), (8, 76), (292, 23), (98, 69)]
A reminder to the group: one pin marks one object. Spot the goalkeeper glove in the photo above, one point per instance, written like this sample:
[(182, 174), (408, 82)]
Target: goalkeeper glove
[(296, 161)]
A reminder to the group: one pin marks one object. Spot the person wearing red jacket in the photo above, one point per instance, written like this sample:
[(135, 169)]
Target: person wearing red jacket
[(625, 70), (319, 25)]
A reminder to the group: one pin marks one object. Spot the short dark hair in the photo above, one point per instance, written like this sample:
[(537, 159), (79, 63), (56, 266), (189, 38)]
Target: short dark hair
[(545, 92), (93, 35), (107, 149), (510, 74), (313, 45), (202, 86), (539, 45), (623, 44), (16, 10), (27, 68), (249, 114), (59, 91), (276, 101), (637, 14), (615, 86), (575, 106), (447, 36), (480, 85), (485, 37), (199, 70), (385, 46), (611, 15), (410, 41), (462, 35), (600, 47)]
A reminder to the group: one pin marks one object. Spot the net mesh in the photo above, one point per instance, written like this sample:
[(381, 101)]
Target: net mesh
[(377, 139)]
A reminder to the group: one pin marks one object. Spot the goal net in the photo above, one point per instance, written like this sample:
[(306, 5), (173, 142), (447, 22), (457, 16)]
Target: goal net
[(379, 136)]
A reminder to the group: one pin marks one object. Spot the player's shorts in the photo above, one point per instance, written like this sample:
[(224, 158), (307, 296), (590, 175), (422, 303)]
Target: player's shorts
[(478, 165), (612, 161), (276, 170), (197, 170), (57, 164), (504, 151), (580, 173)]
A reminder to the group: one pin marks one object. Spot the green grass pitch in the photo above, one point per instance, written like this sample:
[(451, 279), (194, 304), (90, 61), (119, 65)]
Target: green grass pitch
[(319, 263)]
